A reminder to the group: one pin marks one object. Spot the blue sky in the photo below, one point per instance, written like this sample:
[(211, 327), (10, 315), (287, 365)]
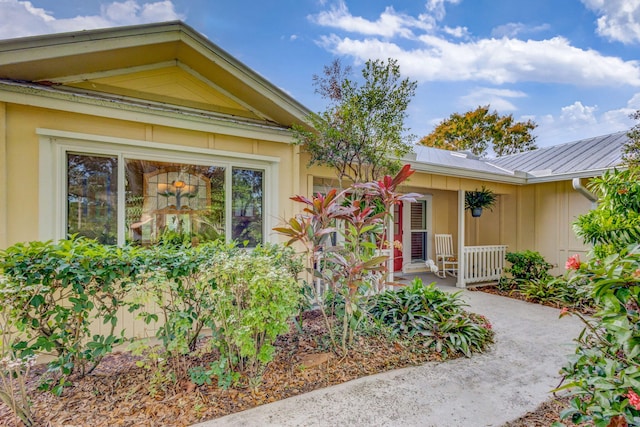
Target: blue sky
[(572, 66)]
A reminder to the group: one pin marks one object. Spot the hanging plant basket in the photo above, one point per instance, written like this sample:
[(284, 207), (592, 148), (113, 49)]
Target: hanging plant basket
[(477, 200)]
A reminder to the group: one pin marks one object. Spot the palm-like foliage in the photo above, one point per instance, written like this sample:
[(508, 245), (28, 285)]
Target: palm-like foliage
[(435, 317)]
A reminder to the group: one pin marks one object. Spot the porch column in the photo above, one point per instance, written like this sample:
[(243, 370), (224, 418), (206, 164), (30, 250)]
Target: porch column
[(460, 283)]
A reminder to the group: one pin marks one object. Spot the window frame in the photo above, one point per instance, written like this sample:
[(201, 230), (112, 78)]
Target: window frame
[(427, 199), (54, 146)]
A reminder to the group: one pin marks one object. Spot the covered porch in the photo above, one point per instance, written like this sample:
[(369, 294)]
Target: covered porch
[(477, 243)]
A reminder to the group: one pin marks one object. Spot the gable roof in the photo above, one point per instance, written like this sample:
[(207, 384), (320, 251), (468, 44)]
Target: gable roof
[(586, 157), (578, 159), (97, 63)]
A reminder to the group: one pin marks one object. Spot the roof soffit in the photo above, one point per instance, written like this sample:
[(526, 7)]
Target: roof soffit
[(169, 83), (55, 57)]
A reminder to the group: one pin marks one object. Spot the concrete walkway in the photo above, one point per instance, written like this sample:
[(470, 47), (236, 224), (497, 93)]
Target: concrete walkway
[(512, 378)]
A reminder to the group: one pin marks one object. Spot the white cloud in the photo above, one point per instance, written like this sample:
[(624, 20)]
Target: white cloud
[(513, 29), (494, 60), (497, 98), (437, 7), (634, 102), (618, 20), (578, 121), (458, 32), (389, 24), (578, 113), (21, 18), (451, 54)]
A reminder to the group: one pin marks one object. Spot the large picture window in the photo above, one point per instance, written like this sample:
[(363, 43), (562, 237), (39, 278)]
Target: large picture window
[(149, 200), (173, 200)]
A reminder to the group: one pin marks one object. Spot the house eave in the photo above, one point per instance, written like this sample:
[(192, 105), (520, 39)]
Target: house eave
[(467, 173), (26, 50), (140, 111), (568, 176)]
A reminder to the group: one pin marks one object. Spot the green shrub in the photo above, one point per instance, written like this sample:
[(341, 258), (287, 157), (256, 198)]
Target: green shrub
[(525, 266), (54, 291), (356, 266), (181, 288), (432, 315), (254, 296), (604, 373), (14, 370), (544, 291), (558, 291), (615, 223)]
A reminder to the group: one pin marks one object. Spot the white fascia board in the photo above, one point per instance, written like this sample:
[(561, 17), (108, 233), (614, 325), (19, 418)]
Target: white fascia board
[(467, 173), (74, 103), (252, 79), (570, 175)]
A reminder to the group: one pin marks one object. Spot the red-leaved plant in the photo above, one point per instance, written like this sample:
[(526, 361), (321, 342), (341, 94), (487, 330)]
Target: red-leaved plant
[(343, 234)]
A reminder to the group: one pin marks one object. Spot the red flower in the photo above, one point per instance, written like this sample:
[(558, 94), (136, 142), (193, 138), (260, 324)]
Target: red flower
[(573, 262), (634, 399), (565, 311)]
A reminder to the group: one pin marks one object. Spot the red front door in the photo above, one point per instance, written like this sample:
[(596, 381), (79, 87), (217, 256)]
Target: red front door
[(397, 236)]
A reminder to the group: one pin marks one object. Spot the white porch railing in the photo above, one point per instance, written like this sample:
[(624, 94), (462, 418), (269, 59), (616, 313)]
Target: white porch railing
[(483, 263)]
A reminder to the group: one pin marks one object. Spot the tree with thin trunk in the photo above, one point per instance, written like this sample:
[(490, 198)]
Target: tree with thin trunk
[(361, 134)]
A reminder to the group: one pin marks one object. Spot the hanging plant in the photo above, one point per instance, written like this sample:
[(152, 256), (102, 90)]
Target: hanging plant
[(477, 200)]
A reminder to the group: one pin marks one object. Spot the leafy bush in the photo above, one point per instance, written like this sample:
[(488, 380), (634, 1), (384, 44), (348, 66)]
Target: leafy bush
[(437, 317), (355, 267), (54, 291), (558, 291), (526, 266), (604, 373), (181, 288), (615, 223), (14, 370), (254, 295), (544, 291)]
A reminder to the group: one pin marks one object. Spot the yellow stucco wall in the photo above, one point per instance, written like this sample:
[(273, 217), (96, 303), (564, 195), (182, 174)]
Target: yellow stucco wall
[(19, 192)]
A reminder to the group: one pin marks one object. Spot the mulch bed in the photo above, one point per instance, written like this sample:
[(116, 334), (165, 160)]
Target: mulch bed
[(544, 415), (120, 393), (515, 294), (492, 289)]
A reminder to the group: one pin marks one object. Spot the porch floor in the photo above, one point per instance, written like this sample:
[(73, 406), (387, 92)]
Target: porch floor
[(448, 283)]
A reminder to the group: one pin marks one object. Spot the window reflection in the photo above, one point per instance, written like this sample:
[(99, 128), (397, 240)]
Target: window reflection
[(92, 197), (246, 219), (163, 200), (174, 200)]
